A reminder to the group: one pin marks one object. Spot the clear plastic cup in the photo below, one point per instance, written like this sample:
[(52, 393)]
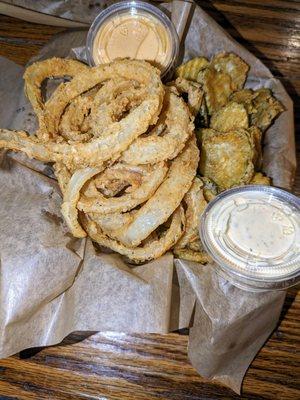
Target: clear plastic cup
[(112, 22), (253, 235)]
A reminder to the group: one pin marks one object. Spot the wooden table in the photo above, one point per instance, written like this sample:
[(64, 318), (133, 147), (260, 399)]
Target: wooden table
[(120, 366)]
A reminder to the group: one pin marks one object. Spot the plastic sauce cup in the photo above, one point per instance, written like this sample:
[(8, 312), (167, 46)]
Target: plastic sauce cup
[(133, 29), (253, 234)]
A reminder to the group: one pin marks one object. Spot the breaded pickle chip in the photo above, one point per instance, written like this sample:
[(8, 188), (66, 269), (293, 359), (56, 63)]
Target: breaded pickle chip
[(232, 65), (245, 97), (227, 157), (201, 118), (210, 189), (260, 179), (191, 255), (217, 87), (261, 106), (267, 109), (256, 136), (230, 117), (193, 91), (191, 69)]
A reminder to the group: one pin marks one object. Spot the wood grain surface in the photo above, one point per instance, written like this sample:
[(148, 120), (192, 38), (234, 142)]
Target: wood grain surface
[(120, 366)]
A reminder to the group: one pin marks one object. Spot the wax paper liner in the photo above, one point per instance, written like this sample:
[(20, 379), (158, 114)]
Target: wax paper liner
[(52, 284)]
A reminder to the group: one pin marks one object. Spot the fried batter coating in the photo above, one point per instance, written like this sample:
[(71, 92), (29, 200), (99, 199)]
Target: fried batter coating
[(195, 205), (210, 189), (232, 65), (267, 109), (191, 68), (71, 197), (140, 71), (257, 138), (165, 200), (189, 246), (149, 179), (191, 255), (166, 144), (231, 117), (119, 136), (227, 157), (113, 100), (261, 106), (194, 92), (34, 76), (260, 179), (150, 250), (217, 87), (245, 97), (73, 126)]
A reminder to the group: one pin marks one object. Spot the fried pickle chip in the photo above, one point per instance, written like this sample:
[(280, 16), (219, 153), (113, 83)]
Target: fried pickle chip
[(194, 93), (195, 245), (191, 69), (202, 118), (260, 179), (227, 157), (233, 66), (191, 255), (267, 109), (261, 106), (217, 87), (257, 137), (210, 189), (230, 117), (245, 97)]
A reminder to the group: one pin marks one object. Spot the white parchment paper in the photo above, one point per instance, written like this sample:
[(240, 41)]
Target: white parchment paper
[(52, 284)]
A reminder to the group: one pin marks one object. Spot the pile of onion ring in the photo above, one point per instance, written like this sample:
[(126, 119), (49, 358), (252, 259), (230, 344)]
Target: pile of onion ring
[(124, 153)]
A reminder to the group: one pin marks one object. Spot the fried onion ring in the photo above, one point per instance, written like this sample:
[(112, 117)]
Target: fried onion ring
[(165, 200), (196, 204), (150, 250), (119, 136), (36, 73), (140, 71), (73, 126), (71, 197), (150, 177), (166, 145)]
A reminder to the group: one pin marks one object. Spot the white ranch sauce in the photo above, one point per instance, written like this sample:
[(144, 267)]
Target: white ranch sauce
[(255, 232)]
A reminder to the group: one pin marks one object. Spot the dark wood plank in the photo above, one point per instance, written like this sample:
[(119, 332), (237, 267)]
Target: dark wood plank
[(20, 40), (121, 366)]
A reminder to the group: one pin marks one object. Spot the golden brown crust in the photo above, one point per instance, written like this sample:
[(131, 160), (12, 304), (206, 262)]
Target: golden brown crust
[(227, 157)]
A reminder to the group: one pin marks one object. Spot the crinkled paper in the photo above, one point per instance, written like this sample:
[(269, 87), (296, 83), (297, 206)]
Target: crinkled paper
[(52, 284)]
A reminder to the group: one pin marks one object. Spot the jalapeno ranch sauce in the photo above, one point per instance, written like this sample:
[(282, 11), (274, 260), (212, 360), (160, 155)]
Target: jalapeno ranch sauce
[(254, 232)]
